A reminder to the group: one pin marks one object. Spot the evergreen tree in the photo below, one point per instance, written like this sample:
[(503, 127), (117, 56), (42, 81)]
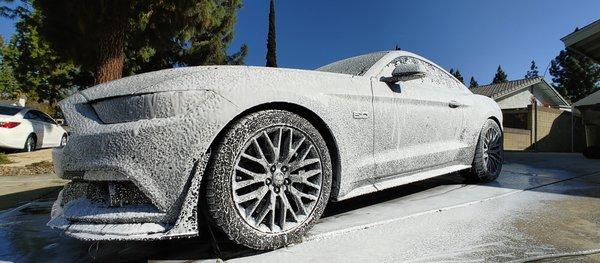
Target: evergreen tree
[(8, 82), (574, 75), (271, 40), (533, 71), (500, 76), (473, 83), (39, 71), (111, 37), (457, 75)]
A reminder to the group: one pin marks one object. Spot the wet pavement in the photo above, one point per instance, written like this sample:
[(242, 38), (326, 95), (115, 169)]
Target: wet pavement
[(542, 205)]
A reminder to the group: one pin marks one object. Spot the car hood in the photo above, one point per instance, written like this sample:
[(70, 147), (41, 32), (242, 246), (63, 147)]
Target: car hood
[(187, 78)]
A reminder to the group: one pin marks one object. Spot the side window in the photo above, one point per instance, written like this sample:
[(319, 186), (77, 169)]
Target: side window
[(29, 116), (387, 70), (438, 77), (43, 117), (435, 76)]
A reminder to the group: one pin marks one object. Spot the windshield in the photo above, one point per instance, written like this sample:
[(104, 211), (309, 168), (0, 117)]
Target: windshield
[(355, 65), (9, 110)]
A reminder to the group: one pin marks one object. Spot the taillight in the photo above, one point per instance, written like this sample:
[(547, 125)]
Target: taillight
[(9, 124)]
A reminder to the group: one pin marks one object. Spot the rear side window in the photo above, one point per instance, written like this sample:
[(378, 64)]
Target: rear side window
[(9, 110)]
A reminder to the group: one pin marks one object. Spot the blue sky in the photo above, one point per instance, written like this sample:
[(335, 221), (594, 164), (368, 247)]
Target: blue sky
[(472, 35)]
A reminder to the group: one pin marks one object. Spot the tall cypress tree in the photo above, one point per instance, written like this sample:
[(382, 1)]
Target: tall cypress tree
[(500, 76), (271, 44), (533, 71), (473, 83)]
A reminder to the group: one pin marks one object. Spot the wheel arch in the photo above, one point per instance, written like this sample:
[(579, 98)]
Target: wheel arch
[(497, 122), (313, 118)]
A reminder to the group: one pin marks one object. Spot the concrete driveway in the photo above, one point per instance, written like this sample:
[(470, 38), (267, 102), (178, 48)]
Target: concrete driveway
[(544, 206)]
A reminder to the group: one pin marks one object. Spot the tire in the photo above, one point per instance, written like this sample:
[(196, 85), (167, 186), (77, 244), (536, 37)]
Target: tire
[(30, 144), (489, 154), (592, 152), (252, 215), (63, 140)]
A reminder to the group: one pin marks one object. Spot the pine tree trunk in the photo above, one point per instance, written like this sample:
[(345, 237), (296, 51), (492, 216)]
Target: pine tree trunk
[(110, 53)]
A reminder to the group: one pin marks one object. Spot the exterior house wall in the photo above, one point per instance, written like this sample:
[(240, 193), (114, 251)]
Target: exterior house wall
[(553, 132), (516, 101)]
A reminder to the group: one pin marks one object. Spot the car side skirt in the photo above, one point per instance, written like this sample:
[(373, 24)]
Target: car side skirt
[(398, 180)]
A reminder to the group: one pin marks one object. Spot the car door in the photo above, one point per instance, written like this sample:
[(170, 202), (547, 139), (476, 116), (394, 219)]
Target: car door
[(415, 125), (38, 126), (52, 132)]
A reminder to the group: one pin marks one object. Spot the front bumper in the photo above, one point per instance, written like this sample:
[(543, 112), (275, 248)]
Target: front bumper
[(161, 159)]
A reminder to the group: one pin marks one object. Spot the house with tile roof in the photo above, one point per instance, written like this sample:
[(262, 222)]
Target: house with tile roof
[(519, 94), (536, 116)]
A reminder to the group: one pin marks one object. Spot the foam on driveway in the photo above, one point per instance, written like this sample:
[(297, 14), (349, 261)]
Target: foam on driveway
[(542, 204), (528, 212)]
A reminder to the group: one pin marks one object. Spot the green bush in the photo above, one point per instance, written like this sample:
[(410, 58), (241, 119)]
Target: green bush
[(4, 158)]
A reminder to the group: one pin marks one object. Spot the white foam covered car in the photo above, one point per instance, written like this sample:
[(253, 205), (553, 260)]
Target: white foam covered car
[(27, 129), (260, 151)]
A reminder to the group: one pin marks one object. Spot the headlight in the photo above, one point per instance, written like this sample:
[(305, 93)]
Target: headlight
[(148, 106)]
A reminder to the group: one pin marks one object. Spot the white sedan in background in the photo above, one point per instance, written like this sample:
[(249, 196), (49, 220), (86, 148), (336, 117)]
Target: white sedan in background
[(28, 129)]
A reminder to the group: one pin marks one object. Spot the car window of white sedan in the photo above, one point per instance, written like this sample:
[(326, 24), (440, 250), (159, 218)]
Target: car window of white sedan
[(34, 115), (10, 111)]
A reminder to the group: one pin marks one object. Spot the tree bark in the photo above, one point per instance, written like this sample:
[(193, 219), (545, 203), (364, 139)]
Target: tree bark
[(111, 56)]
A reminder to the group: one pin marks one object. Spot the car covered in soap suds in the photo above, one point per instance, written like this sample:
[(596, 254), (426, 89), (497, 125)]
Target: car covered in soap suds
[(258, 152)]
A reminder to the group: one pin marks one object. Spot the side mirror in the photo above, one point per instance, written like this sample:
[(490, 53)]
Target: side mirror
[(405, 72)]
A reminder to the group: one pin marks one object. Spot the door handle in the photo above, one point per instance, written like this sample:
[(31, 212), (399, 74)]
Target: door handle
[(454, 104)]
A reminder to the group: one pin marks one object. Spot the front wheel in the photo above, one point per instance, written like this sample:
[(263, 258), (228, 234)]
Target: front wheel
[(269, 179), (489, 154)]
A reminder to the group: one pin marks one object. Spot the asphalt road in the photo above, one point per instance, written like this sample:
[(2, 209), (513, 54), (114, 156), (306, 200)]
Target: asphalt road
[(542, 206)]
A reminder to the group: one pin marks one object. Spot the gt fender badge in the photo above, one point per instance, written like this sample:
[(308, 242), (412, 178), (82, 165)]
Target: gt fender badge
[(360, 115)]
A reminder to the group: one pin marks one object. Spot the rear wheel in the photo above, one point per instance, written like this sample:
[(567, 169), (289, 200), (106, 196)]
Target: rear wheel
[(489, 154), (269, 179), (63, 140), (30, 143)]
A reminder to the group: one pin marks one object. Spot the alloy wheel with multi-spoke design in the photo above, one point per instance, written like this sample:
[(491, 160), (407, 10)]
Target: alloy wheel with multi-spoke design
[(489, 154), (492, 150), (268, 180), (277, 179)]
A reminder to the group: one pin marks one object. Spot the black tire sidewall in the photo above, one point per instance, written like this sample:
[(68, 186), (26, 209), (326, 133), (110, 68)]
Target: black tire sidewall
[(479, 170), (30, 139), (219, 193)]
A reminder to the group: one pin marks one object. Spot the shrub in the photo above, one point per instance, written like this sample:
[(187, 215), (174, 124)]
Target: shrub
[(4, 158)]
